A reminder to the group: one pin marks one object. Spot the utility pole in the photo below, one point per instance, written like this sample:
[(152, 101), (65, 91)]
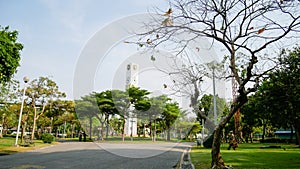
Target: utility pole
[(214, 92), (26, 80)]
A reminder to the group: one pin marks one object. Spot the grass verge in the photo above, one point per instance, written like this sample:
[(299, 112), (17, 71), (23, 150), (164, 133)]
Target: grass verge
[(7, 146), (251, 156)]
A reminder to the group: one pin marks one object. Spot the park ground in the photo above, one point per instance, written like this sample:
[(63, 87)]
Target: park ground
[(254, 155), (7, 146), (251, 156)]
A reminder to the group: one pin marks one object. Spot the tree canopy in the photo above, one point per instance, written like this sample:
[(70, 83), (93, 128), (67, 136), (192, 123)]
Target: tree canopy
[(9, 53), (279, 94)]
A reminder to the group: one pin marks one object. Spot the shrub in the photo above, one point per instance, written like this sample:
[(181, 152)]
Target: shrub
[(47, 138)]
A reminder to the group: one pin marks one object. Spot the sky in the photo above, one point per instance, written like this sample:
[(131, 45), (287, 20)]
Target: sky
[(54, 32), (59, 37)]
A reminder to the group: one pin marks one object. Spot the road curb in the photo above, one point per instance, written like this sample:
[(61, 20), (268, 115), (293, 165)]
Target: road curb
[(185, 160)]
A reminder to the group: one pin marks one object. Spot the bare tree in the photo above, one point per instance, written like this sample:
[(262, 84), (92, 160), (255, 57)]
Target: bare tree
[(246, 31)]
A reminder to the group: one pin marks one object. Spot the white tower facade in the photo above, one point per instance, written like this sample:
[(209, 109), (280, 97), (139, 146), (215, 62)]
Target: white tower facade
[(132, 75), (132, 71)]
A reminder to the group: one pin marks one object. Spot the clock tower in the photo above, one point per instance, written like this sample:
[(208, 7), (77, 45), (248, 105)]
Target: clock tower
[(132, 71)]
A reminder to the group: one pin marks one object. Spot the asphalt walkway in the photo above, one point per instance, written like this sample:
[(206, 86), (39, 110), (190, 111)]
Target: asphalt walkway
[(86, 155)]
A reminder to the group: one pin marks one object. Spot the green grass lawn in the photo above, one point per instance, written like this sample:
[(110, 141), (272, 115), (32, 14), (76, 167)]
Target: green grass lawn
[(251, 156), (7, 145)]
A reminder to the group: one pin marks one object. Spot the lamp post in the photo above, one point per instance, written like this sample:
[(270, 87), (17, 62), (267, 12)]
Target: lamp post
[(26, 80), (214, 96)]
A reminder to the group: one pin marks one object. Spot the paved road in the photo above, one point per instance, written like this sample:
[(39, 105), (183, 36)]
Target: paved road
[(88, 155)]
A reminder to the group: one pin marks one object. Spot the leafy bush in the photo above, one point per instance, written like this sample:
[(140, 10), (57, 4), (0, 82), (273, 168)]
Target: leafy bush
[(47, 138)]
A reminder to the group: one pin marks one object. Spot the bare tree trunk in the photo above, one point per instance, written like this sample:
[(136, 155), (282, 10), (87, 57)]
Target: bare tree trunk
[(191, 136), (51, 125), (107, 125), (101, 131), (34, 124), (264, 131), (215, 152), (144, 130), (73, 130), (292, 134), (217, 161), (297, 131), (35, 118), (91, 126), (169, 134), (23, 131), (298, 137), (124, 126), (154, 131)]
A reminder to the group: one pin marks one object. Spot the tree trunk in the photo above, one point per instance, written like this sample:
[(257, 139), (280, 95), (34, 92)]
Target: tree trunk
[(292, 134), (217, 161), (264, 132), (51, 125), (106, 134), (298, 137), (101, 131), (34, 124), (73, 130), (297, 131), (151, 130), (91, 126), (35, 118), (215, 152), (154, 131), (144, 131), (124, 126), (168, 134), (123, 131), (23, 131), (107, 125)]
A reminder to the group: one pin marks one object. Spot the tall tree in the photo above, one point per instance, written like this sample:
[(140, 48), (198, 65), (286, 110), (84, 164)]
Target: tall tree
[(138, 98), (58, 112), (206, 105), (281, 91), (40, 92), (107, 108), (8, 96), (157, 107), (244, 29), (256, 113), (169, 115), (9, 53), (87, 108)]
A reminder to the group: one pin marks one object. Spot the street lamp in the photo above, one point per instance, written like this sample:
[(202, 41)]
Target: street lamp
[(26, 80), (214, 96), (213, 66)]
